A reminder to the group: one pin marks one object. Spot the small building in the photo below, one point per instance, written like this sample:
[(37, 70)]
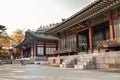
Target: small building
[(37, 45)]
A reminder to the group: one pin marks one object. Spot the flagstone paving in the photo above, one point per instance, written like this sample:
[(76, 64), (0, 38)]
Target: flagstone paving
[(40, 72)]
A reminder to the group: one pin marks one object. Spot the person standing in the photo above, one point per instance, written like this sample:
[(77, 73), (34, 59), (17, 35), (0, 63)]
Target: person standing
[(85, 47)]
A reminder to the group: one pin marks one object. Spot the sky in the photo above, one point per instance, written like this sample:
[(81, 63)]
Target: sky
[(31, 14)]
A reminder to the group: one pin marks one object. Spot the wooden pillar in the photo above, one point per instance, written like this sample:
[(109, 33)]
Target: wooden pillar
[(103, 35), (111, 28), (32, 50), (65, 41), (58, 45), (76, 41), (35, 50), (91, 38), (22, 51), (44, 48)]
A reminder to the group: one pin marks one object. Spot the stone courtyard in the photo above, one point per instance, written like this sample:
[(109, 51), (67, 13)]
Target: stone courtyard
[(43, 72)]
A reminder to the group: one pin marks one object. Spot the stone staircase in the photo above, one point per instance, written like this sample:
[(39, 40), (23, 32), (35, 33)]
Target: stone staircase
[(85, 61), (15, 61), (39, 60), (69, 61)]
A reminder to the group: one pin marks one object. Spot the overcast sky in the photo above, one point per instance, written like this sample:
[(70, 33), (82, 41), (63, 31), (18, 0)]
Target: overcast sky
[(30, 14)]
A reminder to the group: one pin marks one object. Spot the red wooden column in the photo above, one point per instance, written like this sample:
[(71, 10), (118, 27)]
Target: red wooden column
[(35, 50), (65, 41), (91, 38), (103, 35), (22, 52), (32, 50), (76, 41), (111, 28), (112, 36), (44, 48), (58, 45)]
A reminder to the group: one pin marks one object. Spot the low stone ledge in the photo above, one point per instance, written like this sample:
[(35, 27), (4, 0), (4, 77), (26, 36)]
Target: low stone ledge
[(114, 66), (102, 66), (117, 60), (110, 60), (100, 60)]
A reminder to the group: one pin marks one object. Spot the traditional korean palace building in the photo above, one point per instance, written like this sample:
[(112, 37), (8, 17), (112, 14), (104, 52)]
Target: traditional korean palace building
[(97, 26), (36, 44), (99, 21)]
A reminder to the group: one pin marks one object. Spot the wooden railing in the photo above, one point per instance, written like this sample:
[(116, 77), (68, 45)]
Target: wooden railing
[(109, 43), (66, 50)]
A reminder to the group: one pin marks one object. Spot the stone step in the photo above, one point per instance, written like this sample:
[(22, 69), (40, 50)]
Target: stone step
[(41, 62), (84, 66), (79, 67), (82, 63), (87, 54), (16, 62), (82, 56), (85, 59)]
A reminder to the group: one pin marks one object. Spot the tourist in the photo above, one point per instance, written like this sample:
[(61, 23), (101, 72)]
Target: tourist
[(85, 47)]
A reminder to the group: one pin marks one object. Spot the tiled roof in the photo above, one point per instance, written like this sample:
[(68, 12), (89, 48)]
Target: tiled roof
[(30, 36), (95, 8), (38, 36)]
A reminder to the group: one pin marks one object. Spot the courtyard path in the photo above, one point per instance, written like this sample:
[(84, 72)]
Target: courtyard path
[(40, 72)]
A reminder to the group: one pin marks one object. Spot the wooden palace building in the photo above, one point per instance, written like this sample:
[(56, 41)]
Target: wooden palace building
[(36, 44), (97, 25), (95, 28)]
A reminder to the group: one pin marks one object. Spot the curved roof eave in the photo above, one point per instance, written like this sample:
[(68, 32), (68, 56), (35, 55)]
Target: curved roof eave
[(38, 36), (25, 41), (81, 15), (35, 36), (74, 15)]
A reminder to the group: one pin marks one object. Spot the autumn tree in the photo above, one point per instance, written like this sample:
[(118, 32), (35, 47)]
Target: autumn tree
[(17, 37), (4, 43)]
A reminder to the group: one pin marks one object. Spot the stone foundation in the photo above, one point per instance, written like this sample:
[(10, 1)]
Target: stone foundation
[(102, 60), (106, 60), (62, 61)]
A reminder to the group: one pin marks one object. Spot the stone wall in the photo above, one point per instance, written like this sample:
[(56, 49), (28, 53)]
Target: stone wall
[(106, 60), (56, 61), (103, 60)]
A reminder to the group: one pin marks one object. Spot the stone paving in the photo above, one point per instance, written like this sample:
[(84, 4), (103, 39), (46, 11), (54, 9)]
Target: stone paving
[(40, 72)]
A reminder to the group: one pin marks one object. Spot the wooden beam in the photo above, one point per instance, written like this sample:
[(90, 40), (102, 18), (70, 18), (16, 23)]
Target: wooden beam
[(81, 25)]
